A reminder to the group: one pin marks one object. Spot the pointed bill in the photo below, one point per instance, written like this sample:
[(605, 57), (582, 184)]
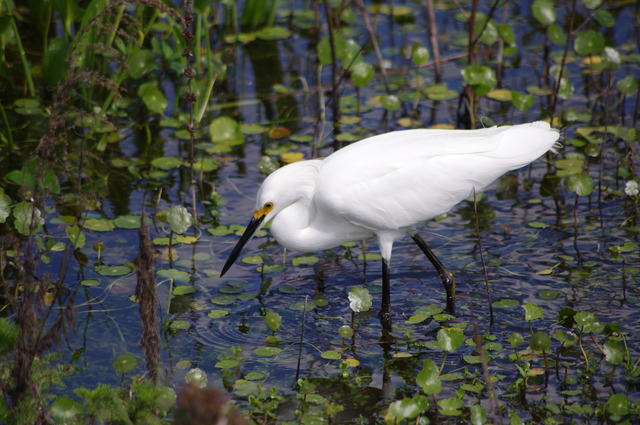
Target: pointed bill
[(254, 225)]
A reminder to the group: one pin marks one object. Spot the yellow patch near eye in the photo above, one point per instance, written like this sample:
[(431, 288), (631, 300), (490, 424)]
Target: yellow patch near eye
[(266, 209)]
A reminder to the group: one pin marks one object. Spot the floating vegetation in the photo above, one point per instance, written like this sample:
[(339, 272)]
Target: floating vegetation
[(134, 135)]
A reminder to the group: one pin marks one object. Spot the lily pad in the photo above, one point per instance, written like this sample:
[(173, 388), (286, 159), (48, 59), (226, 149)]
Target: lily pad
[(98, 224), (331, 355), (267, 351), (125, 362), (127, 221), (114, 271), (216, 314), (184, 290), (359, 299), (224, 299), (306, 260), (225, 130)]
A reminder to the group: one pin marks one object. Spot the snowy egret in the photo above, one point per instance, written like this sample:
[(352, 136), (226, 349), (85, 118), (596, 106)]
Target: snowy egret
[(385, 185)]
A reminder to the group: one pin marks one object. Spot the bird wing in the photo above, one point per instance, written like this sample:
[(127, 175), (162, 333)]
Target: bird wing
[(396, 180)]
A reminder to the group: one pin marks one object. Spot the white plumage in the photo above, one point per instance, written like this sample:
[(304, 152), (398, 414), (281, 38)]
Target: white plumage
[(385, 185)]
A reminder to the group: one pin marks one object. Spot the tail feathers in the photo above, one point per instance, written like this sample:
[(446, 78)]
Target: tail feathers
[(522, 144)]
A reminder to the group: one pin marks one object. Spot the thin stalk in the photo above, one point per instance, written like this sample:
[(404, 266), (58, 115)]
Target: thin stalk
[(334, 71), (556, 89), (484, 267), (374, 41), (5, 122), (304, 313), (23, 57), (433, 39)]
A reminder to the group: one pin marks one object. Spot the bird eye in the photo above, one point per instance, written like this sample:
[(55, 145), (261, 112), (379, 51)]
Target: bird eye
[(268, 205)]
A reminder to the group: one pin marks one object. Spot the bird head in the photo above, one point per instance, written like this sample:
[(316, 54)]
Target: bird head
[(279, 190), (258, 220)]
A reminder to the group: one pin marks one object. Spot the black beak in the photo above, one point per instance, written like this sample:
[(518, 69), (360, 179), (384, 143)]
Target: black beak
[(252, 228)]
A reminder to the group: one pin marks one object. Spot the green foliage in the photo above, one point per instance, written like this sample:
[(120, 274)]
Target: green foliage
[(359, 299), (273, 320), (179, 218), (544, 11), (481, 78), (429, 378), (116, 142)]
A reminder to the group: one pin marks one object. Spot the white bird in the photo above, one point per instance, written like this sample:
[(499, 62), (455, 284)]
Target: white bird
[(386, 185)]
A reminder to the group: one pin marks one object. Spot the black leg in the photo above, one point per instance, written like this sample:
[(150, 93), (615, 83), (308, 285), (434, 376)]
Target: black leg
[(385, 309), (445, 275)]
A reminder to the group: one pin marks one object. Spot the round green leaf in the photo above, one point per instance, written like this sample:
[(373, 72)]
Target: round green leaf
[(361, 74), (267, 351), (204, 164), (359, 299), (180, 325), (215, 314), (28, 219), (548, 294), (515, 339), (589, 43), (224, 299), (605, 18), (225, 130), (429, 378), (450, 406), (390, 102), (478, 415), (482, 78), (544, 11), (581, 184), (254, 376), (587, 322), (628, 85), (114, 271), (75, 235), (127, 221), (271, 33), (419, 54), (98, 224), (140, 63), (125, 362), (167, 162), (275, 268), (331, 355), (307, 260), (506, 33), (532, 312), (197, 377), (556, 35), (450, 339), (618, 405), (184, 290), (506, 303), (540, 341), (273, 320), (153, 98), (227, 364), (592, 4), (407, 408), (521, 101), (614, 352), (254, 259), (345, 331), (179, 218), (440, 92), (65, 410)]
